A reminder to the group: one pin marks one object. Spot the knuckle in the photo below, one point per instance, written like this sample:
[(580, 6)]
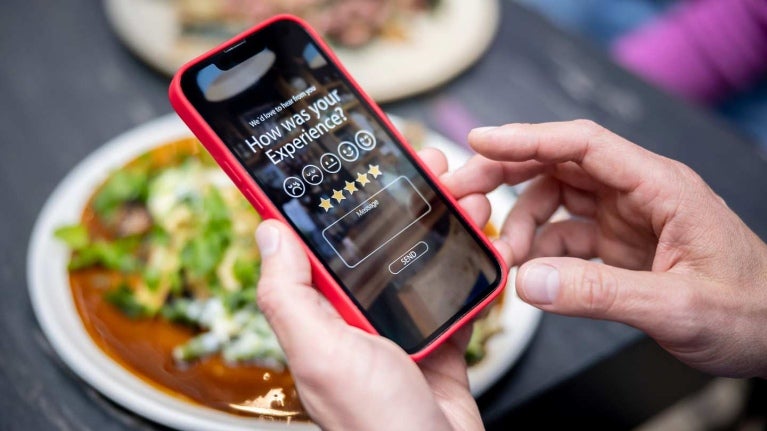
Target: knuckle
[(591, 135), (689, 186), (684, 311), (513, 128), (266, 298), (589, 128), (319, 369), (684, 176), (315, 372), (597, 290), (685, 173)]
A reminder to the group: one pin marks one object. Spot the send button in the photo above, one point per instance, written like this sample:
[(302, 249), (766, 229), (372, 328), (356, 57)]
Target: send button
[(409, 257)]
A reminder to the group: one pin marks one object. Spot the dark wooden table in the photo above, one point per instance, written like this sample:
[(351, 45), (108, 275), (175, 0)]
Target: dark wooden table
[(67, 86)]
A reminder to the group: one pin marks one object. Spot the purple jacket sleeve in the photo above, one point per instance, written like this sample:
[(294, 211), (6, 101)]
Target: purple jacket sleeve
[(701, 50)]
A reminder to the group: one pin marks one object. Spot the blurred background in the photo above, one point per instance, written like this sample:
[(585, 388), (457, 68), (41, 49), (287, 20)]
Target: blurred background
[(710, 53), (684, 78)]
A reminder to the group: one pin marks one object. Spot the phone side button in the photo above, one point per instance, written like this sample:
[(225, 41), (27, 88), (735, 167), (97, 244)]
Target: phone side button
[(243, 186), (253, 199), (229, 169)]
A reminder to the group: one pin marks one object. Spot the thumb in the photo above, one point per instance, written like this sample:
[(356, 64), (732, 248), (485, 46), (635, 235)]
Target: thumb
[(298, 313), (649, 301)]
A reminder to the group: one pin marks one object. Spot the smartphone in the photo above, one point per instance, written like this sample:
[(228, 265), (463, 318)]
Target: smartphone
[(389, 247)]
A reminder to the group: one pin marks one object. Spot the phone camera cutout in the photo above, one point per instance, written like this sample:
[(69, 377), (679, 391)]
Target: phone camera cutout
[(312, 175), (330, 163), (294, 187), (365, 140), (348, 151)]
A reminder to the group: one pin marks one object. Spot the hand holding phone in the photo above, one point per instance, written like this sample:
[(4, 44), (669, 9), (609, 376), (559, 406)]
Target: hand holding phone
[(389, 249)]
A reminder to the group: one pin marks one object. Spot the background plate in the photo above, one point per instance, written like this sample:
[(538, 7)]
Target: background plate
[(439, 45), (55, 310)]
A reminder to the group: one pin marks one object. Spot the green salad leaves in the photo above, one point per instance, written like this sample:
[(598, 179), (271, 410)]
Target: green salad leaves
[(182, 239)]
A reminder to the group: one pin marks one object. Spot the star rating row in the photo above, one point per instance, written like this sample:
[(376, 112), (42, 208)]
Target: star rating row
[(351, 187)]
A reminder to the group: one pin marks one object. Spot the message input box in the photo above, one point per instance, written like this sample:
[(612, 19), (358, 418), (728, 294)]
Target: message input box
[(368, 227)]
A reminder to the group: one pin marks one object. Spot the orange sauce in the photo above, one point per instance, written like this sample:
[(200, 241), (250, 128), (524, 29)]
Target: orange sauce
[(491, 231), (144, 346)]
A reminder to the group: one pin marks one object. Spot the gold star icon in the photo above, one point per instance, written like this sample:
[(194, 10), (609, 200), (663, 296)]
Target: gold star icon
[(325, 204), (362, 179), (338, 195), (374, 171), (350, 187)]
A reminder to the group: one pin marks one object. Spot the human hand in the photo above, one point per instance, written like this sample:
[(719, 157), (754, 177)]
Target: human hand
[(346, 378), (678, 263)]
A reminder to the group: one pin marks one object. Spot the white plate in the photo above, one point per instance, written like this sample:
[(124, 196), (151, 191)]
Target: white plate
[(518, 319), (55, 309), (439, 45)]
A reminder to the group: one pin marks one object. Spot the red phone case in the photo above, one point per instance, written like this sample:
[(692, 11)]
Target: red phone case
[(322, 278)]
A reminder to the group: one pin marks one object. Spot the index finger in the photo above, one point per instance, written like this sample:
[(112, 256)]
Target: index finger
[(607, 157), (434, 159), (482, 175)]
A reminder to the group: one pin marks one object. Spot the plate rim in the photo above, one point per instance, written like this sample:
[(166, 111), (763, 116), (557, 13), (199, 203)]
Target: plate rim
[(92, 364), (65, 332)]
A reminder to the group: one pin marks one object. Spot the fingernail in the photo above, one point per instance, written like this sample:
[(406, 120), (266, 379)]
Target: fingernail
[(268, 239), (541, 284), (481, 130)]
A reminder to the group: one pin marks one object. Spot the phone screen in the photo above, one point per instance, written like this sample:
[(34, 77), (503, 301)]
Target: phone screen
[(344, 182)]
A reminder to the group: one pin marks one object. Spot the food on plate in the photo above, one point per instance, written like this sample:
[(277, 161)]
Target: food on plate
[(163, 271), (484, 328), (490, 322), (344, 22)]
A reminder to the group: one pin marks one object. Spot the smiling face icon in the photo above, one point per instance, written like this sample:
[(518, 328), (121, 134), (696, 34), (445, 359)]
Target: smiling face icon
[(294, 187), (348, 151), (330, 163), (312, 174), (365, 140)]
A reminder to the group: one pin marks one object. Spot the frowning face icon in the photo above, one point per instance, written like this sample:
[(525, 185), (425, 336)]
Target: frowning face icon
[(293, 187), (312, 174), (330, 163), (348, 151)]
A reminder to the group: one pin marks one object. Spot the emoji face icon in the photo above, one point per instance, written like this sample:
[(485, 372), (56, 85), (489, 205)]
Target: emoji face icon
[(294, 187), (312, 174), (365, 140), (348, 151), (330, 163)]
